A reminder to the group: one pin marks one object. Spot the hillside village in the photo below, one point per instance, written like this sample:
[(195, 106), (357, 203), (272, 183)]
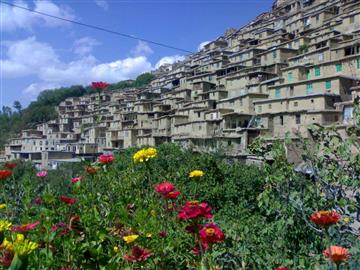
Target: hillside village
[(293, 66)]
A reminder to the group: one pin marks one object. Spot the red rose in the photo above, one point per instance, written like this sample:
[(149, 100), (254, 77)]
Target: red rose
[(4, 174), (194, 209), (99, 85)]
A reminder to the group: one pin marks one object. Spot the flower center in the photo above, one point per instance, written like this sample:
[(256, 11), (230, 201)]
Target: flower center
[(210, 231)]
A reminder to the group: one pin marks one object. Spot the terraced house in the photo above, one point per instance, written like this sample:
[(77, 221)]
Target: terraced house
[(293, 66)]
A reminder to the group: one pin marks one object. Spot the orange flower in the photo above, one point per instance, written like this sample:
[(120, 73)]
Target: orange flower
[(325, 218), (337, 254)]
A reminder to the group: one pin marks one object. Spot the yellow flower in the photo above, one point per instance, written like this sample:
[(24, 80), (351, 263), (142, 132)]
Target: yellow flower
[(6, 244), (2, 206), (4, 225), (24, 247), (130, 238), (144, 154), (149, 235), (116, 249), (196, 173), (346, 219), (153, 213)]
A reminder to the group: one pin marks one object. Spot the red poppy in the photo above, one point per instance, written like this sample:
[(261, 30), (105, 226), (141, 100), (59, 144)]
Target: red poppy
[(6, 258), (4, 174), (91, 170), (25, 228), (337, 254), (164, 188), (10, 165), (106, 158), (325, 218), (194, 209), (99, 85), (138, 254), (67, 200), (211, 234)]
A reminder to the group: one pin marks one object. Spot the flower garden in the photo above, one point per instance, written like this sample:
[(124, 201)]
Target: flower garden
[(170, 208)]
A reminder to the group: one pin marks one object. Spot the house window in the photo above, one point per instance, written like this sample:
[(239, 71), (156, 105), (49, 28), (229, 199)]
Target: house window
[(308, 75), (328, 85), (321, 57), (296, 104), (210, 78), (278, 92), (229, 142), (291, 91), (317, 18), (338, 67), (317, 71), (269, 106), (298, 119), (259, 109), (352, 19), (309, 88), (199, 127), (290, 76), (198, 114), (274, 54), (358, 63), (281, 120)]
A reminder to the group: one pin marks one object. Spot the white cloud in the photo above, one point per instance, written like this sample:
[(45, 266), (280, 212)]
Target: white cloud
[(85, 45), (169, 60), (202, 45), (34, 89), (12, 18), (142, 48), (31, 57), (103, 4)]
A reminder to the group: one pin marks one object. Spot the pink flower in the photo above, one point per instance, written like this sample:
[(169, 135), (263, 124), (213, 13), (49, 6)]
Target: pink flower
[(281, 268), (25, 228), (42, 174), (164, 188), (57, 226), (211, 234), (76, 179), (194, 209), (106, 158), (138, 254), (67, 200)]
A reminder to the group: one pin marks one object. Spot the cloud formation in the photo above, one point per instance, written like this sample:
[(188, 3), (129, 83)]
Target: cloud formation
[(169, 60), (13, 18), (103, 4), (142, 48), (85, 45)]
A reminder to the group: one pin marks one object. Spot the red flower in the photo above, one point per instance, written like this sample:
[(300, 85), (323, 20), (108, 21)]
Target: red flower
[(281, 268), (25, 228), (337, 254), (90, 170), (192, 228), (325, 218), (196, 249), (138, 254), (194, 209), (163, 234), (6, 258), (67, 200), (172, 195), (99, 85), (76, 179), (57, 226), (4, 174), (211, 234), (106, 158), (164, 188), (10, 165)]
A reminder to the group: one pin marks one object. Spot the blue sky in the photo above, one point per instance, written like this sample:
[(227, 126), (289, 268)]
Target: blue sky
[(39, 53)]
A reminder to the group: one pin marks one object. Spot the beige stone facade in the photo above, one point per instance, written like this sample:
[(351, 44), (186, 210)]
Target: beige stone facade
[(295, 65)]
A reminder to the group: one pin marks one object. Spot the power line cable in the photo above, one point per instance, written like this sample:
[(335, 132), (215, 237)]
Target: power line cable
[(98, 28)]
